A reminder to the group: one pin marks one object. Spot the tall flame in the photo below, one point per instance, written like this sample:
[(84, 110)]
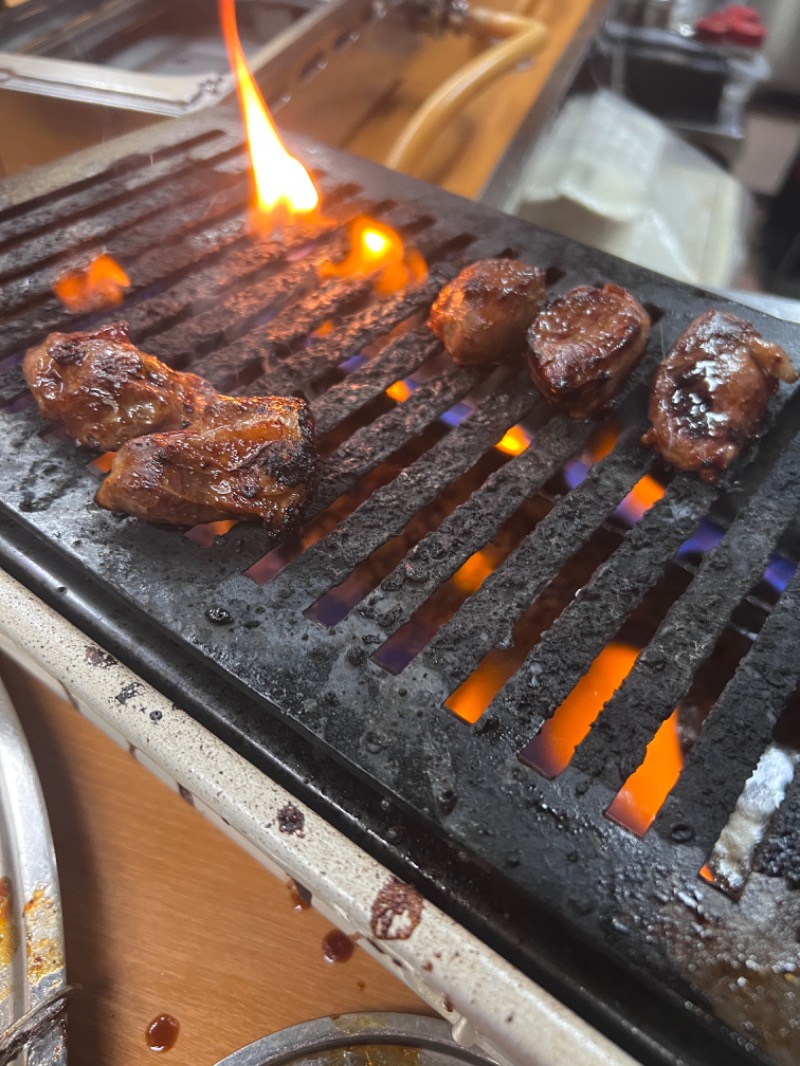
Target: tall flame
[(283, 185)]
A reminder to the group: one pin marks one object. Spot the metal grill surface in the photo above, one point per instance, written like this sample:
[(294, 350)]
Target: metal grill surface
[(238, 630)]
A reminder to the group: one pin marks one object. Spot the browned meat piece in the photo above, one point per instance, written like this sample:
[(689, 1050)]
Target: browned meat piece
[(481, 317), (710, 393), (105, 391), (583, 347), (243, 458)]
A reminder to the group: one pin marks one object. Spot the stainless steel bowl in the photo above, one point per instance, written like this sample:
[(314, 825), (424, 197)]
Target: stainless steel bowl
[(360, 1040)]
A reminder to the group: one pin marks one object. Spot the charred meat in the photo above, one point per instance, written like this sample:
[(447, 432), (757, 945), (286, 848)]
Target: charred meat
[(584, 346), (710, 393), (481, 317), (105, 391), (243, 458)]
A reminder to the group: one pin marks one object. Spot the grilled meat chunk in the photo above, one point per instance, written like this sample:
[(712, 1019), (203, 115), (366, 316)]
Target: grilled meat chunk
[(482, 315), (583, 347), (105, 391), (243, 458), (710, 393)]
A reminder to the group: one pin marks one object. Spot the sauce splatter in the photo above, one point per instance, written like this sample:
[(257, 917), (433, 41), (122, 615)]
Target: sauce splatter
[(337, 946), (300, 895), (162, 1032)]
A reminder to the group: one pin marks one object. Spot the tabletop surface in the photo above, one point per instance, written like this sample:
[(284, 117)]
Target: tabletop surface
[(164, 915)]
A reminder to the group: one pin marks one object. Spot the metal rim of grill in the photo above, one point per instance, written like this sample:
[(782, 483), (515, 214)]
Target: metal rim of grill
[(305, 699)]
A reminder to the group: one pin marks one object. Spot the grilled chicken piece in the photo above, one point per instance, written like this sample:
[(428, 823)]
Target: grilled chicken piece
[(482, 315), (105, 391), (710, 393), (584, 346), (243, 458)]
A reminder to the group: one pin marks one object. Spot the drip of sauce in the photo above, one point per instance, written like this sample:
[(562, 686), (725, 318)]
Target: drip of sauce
[(162, 1032), (337, 946), (300, 895)]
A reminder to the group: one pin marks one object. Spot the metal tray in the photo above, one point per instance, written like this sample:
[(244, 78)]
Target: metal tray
[(32, 973)]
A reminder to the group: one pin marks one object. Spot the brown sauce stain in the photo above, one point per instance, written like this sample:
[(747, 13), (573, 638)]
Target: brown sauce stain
[(97, 657), (337, 946), (162, 1033), (396, 911), (299, 894), (8, 934), (291, 820)]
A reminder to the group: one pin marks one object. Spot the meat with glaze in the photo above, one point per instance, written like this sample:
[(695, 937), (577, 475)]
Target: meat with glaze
[(243, 458), (105, 391), (583, 347), (481, 317), (710, 393)]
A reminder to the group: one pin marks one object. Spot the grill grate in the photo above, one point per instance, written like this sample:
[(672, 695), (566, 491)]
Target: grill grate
[(250, 317)]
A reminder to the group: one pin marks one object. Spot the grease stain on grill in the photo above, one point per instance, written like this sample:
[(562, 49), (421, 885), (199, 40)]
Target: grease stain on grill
[(97, 657), (396, 911), (291, 820)]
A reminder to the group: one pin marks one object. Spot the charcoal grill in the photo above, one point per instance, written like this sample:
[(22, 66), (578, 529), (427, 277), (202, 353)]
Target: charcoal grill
[(619, 927)]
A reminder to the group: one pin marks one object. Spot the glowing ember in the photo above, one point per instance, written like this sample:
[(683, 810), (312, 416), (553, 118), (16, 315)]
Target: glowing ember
[(102, 464), (102, 284), (399, 391), (641, 498), (284, 188), (473, 573), (376, 250), (552, 748), (643, 794), (514, 442)]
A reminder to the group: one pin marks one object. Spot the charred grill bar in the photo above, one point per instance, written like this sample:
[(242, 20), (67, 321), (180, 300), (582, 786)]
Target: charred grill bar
[(620, 926)]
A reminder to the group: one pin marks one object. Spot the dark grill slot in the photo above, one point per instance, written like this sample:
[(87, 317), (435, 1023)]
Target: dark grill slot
[(665, 668), (526, 566), (479, 625), (389, 508), (747, 711), (581, 632)]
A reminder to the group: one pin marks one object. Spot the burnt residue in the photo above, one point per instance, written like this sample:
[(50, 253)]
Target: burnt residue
[(396, 911), (291, 820), (128, 693), (97, 657)]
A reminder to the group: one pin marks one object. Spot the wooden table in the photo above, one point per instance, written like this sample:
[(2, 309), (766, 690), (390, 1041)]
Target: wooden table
[(163, 914)]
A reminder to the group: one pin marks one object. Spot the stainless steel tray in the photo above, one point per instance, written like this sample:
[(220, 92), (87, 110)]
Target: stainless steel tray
[(32, 974)]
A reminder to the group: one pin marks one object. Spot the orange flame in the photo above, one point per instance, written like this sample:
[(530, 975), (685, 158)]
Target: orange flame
[(514, 442), (284, 187), (552, 748), (100, 285), (643, 794), (378, 250)]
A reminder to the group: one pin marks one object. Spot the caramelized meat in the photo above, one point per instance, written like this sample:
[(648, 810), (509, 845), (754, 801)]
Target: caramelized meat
[(710, 393), (243, 458), (583, 347), (481, 317), (105, 391)]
